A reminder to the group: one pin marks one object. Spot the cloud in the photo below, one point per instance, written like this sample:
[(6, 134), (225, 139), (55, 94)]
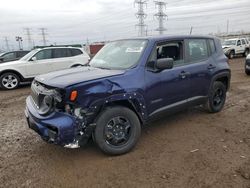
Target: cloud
[(73, 21)]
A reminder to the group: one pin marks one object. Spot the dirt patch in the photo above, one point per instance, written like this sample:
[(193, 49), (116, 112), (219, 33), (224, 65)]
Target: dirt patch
[(219, 143)]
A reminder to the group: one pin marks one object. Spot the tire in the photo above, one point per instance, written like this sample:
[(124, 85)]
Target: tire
[(245, 54), (231, 55), (113, 125), (247, 72), (216, 97), (9, 81)]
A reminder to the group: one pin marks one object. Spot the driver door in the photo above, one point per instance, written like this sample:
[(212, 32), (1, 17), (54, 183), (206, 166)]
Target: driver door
[(40, 63), (171, 87)]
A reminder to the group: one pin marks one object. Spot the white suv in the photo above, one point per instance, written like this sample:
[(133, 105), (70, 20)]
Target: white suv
[(236, 46), (40, 61)]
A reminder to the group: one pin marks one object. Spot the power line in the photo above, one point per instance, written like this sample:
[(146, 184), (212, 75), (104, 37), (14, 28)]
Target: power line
[(43, 33), (28, 33), (7, 43), (160, 15), (141, 16)]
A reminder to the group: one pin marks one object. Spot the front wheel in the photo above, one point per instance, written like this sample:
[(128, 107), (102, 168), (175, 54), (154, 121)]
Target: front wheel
[(231, 55), (247, 72), (117, 130), (246, 53), (216, 97), (9, 81)]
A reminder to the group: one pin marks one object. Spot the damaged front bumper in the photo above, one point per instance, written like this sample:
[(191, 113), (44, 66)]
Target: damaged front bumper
[(58, 127)]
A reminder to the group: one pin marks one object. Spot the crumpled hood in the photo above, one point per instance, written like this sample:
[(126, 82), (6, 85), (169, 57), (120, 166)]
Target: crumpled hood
[(65, 78)]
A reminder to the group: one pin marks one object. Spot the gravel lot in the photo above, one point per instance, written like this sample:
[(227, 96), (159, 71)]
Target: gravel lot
[(162, 158)]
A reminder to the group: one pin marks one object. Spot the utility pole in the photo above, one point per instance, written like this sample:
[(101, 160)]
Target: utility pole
[(191, 30), (141, 16), (160, 15), (227, 26), (30, 43), (7, 43), (43, 33), (19, 40)]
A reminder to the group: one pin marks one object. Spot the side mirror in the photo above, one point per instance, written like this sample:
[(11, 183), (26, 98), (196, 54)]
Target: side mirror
[(33, 58), (165, 63)]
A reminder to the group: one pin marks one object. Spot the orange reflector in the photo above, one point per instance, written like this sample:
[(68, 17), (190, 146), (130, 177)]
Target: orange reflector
[(73, 95)]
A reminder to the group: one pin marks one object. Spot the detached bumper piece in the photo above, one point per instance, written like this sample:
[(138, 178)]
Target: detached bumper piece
[(58, 127)]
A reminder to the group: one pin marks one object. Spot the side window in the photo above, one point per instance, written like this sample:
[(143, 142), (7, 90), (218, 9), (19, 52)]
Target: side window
[(61, 52), (238, 43), (9, 56), (212, 46), (171, 50), (76, 52), (44, 54), (197, 49), (243, 41)]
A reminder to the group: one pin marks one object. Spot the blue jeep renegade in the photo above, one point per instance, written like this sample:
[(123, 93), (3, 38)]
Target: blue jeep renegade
[(128, 83)]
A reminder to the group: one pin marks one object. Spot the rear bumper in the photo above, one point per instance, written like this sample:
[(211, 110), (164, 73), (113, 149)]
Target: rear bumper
[(58, 127)]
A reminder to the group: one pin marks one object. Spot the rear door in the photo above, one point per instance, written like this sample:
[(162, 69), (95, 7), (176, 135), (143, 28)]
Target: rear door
[(239, 48), (61, 58), (200, 65)]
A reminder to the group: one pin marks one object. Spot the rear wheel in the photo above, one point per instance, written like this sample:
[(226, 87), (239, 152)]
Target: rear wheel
[(117, 130), (9, 81), (216, 97)]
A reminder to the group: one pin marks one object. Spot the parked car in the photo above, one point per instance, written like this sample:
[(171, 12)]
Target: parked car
[(236, 46), (127, 84), (40, 61), (247, 65), (12, 56)]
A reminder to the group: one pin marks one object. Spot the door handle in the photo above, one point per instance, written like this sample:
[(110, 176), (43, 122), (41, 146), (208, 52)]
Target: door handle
[(184, 74), (210, 67)]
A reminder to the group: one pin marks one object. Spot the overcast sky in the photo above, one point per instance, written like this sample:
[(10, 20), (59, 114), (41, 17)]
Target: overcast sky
[(73, 21)]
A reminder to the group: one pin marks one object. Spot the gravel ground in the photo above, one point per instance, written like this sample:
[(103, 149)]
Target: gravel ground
[(219, 143)]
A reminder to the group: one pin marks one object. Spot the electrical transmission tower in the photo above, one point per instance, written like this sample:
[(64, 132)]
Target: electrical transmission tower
[(141, 16), (160, 15), (43, 33), (7, 43), (30, 43)]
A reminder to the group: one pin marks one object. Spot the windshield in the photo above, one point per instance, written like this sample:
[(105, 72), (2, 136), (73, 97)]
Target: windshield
[(229, 42), (121, 54), (29, 55)]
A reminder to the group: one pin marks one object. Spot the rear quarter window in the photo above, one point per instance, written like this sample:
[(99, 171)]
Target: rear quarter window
[(212, 46), (76, 52)]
